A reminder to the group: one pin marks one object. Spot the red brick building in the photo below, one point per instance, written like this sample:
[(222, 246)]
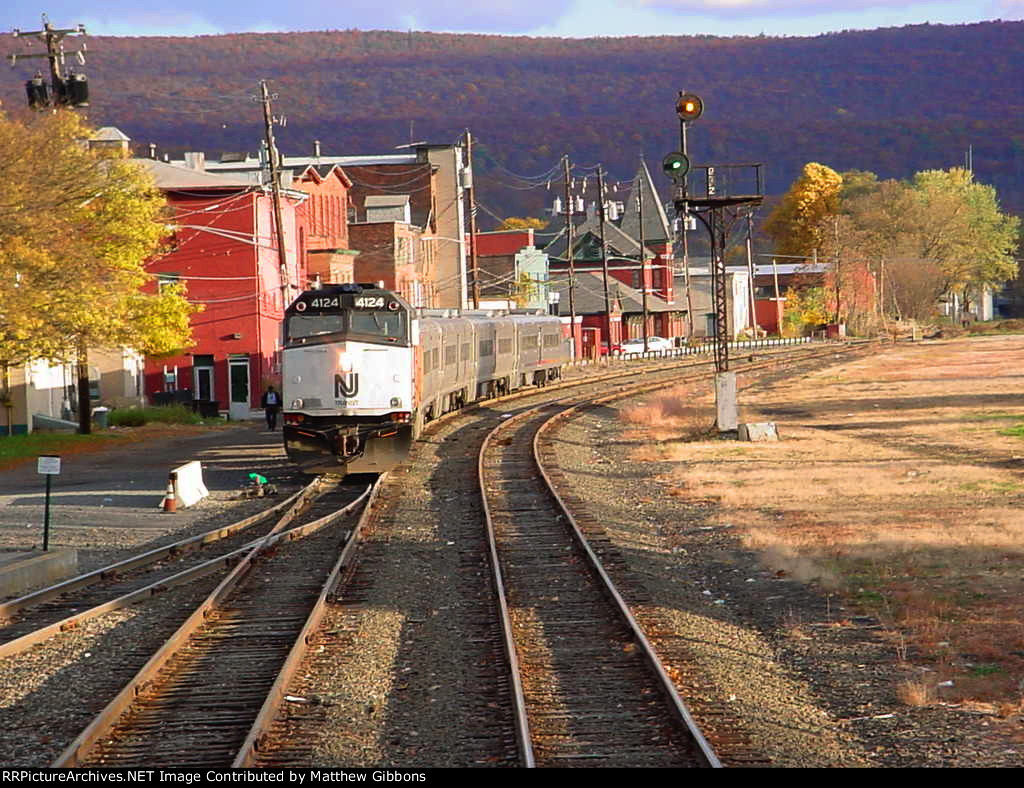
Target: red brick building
[(224, 248), (323, 222), (393, 252)]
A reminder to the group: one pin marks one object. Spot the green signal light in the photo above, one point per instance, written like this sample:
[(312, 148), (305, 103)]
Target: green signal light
[(675, 165)]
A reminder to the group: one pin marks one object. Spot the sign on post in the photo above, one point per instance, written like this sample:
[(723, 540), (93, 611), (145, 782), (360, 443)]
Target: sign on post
[(49, 466)]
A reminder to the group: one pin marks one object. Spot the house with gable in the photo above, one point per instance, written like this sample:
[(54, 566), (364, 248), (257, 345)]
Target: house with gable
[(642, 269)]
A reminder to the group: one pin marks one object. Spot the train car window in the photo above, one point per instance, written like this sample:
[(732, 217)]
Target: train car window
[(465, 351), (427, 365), (435, 358), (486, 347), (504, 346), (449, 355), (550, 340)]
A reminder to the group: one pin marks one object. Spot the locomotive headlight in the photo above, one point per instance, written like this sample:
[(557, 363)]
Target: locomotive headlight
[(396, 402), (297, 403), (345, 361)]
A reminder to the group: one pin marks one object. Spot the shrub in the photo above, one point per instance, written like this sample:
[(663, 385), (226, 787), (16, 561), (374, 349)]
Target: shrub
[(136, 417)]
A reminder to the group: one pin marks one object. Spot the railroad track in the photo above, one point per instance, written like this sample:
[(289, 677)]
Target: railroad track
[(589, 688), (204, 698), (35, 617)]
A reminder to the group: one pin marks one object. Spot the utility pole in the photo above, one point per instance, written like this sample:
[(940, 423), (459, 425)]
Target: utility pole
[(750, 272), (471, 193), (65, 90), (643, 255), (604, 259), (275, 189), (570, 256)]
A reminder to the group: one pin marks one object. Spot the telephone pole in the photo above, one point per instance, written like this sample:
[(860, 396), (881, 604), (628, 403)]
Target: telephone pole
[(65, 89), (751, 272), (604, 260), (570, 256), (275, 189), (471, 193), (643, 256)]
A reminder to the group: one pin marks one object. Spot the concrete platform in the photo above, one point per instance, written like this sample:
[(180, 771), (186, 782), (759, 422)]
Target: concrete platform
[(21, 571)]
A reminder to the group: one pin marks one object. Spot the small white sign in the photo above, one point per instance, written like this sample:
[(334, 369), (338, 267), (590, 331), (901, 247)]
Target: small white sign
[(49, 465)]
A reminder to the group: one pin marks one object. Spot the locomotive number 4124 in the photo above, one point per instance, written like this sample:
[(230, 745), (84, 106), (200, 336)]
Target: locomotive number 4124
[(369, 302)]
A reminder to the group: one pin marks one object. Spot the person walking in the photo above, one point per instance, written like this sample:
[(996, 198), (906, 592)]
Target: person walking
[(271, 404)]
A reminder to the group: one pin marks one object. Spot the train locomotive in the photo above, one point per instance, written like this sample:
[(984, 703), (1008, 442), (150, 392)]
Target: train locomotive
[(363, 371)]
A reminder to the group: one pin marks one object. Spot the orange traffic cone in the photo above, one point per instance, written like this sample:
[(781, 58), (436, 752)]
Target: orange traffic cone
[(170, 502)]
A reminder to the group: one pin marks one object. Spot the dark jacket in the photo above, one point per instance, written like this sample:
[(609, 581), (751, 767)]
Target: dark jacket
[(263, 401)]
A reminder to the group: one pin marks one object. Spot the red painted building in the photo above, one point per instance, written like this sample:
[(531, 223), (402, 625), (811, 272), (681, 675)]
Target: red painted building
[(224, 248)]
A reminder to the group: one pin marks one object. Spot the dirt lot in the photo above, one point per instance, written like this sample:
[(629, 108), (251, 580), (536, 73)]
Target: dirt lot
[(872, 560)]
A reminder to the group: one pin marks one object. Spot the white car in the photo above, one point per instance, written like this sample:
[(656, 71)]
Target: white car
[(654, 344)]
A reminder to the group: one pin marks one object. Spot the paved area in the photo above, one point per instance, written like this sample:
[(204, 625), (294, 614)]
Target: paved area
[(122, 487)]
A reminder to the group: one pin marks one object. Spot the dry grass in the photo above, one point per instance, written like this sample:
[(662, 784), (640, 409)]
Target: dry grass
[(916, 692), (897, 484)]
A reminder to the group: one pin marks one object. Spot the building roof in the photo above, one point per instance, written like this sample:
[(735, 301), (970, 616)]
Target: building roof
[(174, 176), (503, 242), (110, 134), (302, 162), (386, 201), (588, 295), (763, 269), (657, 228), (619, 243)]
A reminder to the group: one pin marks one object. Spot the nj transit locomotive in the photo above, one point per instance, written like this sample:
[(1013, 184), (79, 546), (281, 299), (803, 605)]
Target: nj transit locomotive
[(363, 371)]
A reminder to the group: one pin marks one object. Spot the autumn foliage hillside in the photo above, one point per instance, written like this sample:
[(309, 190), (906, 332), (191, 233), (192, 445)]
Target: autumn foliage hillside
[(893, 101)]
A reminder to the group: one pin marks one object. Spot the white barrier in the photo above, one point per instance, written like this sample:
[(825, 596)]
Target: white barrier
[(188, 486), (758, 431)]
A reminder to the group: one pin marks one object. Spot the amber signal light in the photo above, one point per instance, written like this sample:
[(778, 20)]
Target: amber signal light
[(689, 107)]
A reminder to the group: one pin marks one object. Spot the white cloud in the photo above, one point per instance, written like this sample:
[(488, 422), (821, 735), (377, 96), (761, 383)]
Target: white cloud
[(773, 6), (1009, 9), (150, 24)]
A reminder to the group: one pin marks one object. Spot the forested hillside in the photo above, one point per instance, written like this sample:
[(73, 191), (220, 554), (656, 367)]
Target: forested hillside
[(892, 101)]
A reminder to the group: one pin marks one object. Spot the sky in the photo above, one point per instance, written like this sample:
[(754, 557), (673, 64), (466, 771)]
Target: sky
[(563, 18)]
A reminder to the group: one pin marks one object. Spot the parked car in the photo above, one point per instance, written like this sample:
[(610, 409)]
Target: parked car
[(637, 345)]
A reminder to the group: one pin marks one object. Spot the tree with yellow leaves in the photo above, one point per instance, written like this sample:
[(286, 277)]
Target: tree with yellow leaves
[(523, 223), (804, 219), (75, 231)]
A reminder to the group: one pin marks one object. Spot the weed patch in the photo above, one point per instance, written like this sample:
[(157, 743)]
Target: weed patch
[(137, 417), (19, 448)]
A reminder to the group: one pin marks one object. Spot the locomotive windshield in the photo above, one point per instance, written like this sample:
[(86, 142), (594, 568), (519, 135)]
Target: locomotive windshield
[(365, 325)]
